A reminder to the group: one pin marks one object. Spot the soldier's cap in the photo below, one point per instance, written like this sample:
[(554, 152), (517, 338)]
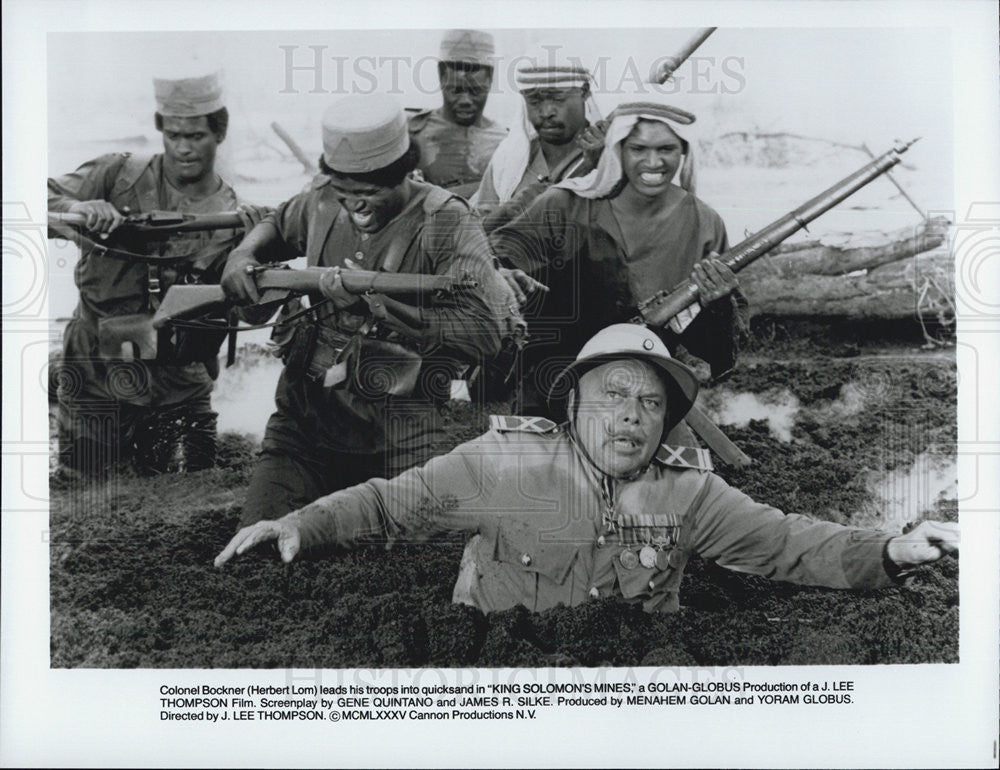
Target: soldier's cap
[(469, 46), (364, 133), (188, 97), (628, 341)]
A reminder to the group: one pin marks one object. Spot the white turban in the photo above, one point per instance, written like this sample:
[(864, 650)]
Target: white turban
[(602, 180)]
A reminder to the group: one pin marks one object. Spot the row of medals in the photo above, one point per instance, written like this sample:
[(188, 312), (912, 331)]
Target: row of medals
[(649, 556), (654, 554)]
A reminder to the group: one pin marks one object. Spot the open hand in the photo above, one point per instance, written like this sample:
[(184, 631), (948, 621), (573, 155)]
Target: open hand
[(281, 530), (521, 284)]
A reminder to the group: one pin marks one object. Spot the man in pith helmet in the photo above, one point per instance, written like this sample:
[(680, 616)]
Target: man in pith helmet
[(364, 376), (456, 140), (113, 408), (597, 506)]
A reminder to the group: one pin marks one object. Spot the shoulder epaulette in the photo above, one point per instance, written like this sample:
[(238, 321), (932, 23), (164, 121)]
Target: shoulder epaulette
[(512, 423), (437, 198), (417, 118), (684, 457)]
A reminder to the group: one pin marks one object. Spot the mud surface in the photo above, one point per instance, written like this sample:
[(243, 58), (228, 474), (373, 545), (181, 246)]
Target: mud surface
[(132, 582)]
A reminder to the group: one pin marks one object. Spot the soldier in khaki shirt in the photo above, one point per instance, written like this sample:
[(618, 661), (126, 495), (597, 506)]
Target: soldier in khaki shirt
[(456, 140), (598, 507), (112, 408)]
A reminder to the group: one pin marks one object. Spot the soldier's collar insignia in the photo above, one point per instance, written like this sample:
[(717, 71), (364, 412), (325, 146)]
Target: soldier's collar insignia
[(512, 423), (684, 457)]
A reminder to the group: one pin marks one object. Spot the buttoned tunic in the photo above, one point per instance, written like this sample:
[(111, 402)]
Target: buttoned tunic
[(543, 512)]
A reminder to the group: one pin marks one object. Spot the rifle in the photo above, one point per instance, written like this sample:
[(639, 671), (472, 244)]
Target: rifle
[(278, 282), (662, 306), (156, 223), (667, 67)]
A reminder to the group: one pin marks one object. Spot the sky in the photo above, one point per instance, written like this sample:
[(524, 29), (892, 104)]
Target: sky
[(844, 84)]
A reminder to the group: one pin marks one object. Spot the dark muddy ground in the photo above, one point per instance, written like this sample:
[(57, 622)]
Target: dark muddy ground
[(132, 583)]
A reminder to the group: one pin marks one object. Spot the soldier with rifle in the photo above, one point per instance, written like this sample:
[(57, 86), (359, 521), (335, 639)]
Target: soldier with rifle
[(607, 240), (551, 139), (364, 374), (120, 400)]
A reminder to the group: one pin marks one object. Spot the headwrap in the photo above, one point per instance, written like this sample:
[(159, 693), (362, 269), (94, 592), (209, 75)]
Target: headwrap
[(513, 154), (602, 180)]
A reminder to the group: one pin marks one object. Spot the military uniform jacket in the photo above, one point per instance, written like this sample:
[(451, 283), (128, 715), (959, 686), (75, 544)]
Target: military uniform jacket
[(434, 234), (454, 156), (535, 179), (541, 510), (116, 287), (110, 286)]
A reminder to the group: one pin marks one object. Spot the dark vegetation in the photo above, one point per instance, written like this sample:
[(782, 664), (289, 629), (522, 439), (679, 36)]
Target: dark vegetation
[(132, 582)]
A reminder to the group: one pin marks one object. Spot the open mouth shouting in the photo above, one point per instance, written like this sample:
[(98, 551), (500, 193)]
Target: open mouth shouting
[(653, 178)]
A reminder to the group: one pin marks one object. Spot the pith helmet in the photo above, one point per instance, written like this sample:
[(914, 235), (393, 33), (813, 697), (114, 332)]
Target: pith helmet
[(625, 341), (188, 97), (469, 46), (363, 133)]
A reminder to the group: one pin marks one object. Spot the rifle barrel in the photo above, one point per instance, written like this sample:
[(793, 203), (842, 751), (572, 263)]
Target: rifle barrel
[(658, 310), (359, 281), (671, 63), (169, 222)]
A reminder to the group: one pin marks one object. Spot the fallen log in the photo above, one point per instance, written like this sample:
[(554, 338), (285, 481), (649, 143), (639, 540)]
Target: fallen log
[(843, 253), (921, 285)]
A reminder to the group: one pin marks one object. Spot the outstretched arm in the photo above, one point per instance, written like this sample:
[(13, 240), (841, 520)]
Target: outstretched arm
[(737, 533), (448, 493)]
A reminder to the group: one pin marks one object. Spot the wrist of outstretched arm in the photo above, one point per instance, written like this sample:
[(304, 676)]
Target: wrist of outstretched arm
[(314, 525), (898, 572), (866, 561)]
